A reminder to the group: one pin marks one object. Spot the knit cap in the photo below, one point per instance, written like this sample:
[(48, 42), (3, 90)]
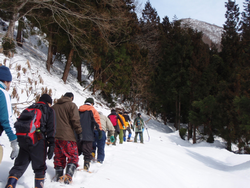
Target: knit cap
[(46, 98), (5, 74), (89, 100)]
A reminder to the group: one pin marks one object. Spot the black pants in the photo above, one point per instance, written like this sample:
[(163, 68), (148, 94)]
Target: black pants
[(34, 154), (86, 147)]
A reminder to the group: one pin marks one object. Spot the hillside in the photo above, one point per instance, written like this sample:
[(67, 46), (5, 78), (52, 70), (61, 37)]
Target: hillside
[(164, 160), (212, 33)]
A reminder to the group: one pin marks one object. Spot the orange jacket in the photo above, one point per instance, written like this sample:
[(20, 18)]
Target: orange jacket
[(96, 115), (121, 124)]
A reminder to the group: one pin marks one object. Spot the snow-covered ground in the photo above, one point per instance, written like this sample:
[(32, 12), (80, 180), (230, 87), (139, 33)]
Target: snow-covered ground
[(163, 161)]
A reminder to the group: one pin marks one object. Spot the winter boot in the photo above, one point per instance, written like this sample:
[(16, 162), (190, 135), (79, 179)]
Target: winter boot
[(70, 169), (11, 183), (108, 142), (59, 173), (93, 157), (129, 136), (86, 165), (39, 182), (124, 139)]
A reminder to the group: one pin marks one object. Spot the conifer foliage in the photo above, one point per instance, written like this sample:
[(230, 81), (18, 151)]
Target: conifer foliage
[(161, 67)]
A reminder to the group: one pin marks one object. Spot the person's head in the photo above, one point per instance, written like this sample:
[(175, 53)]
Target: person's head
[(46, 98), (125, 113), (113, 111), (90, 100), (5, 76), (139, 114), (70, 95)]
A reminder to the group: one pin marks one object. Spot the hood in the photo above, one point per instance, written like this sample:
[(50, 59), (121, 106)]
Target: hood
[(64, 100), (85, 107)]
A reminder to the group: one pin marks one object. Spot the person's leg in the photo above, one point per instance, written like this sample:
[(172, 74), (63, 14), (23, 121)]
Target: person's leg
[(21, 162), (124, 135), (38, 160), (100, 148), (121, 136), (20, 165), (116, 134), (135, 139), (59, 154), (141, 137), (129, 134), (95, 144), (86, 150)]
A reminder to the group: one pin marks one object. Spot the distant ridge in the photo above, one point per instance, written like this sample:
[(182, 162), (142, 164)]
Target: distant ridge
[(212, 33)]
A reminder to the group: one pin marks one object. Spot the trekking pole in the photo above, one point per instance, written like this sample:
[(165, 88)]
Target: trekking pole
[(147, 132)]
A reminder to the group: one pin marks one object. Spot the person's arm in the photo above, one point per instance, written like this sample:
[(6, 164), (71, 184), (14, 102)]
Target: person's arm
[(6, 114), (110, 126), (120, 119), (75, 119), (51, 126), (97, 118)]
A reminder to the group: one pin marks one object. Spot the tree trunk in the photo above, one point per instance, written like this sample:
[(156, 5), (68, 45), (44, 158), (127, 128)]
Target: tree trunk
[(68, 64), (50, 55), (19, 33), (190, 130), (194, 134), (79, 72), (177, 112), (10, 32)]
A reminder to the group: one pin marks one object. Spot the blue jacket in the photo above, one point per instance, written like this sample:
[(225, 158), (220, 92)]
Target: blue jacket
[(6, 113)]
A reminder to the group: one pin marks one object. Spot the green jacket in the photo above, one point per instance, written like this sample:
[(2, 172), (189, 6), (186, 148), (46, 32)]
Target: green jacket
[(138, 124)]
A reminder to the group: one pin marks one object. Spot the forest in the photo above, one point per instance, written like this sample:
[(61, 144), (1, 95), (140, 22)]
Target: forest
[(153, 64)]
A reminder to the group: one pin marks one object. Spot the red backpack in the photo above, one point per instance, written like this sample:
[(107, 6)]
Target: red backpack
[(29, 123), (113, 119)]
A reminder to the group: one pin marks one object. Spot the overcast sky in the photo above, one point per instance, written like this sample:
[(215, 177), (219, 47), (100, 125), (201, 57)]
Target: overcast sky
[(211, 11)]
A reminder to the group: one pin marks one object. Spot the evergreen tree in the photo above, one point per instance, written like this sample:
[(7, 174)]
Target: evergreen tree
[(229, 85)]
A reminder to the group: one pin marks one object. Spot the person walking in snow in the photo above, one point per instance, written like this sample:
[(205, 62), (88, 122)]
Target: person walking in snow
[(114, 120), (90, 121), (121, 122), (6, 113), (100, 143), (36, 154), (138, 126), (128, 122), (66, 151)]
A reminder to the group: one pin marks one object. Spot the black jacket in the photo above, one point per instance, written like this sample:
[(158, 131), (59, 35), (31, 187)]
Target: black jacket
[(50, 123), (88, 125)]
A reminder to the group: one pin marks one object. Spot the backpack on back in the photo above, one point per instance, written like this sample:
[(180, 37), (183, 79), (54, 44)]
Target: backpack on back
[(139, 124), (29, 123), (113, 119)]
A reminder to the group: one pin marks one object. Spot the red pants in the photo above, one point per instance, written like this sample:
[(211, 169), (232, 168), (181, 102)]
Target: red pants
[(65, 149)]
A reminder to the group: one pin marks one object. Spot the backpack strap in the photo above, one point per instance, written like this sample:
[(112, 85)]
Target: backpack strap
[(43, 107)]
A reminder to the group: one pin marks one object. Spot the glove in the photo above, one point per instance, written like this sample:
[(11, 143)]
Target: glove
[(51, 151), (123, 127), (79, 137), (112, 139), (99, 134), (79, 147), (15, 149)]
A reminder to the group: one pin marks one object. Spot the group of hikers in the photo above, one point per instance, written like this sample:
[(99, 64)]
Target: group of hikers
[(63, 131)]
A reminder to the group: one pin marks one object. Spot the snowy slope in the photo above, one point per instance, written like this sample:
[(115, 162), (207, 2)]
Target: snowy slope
[(163, 161), (211, 32)]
